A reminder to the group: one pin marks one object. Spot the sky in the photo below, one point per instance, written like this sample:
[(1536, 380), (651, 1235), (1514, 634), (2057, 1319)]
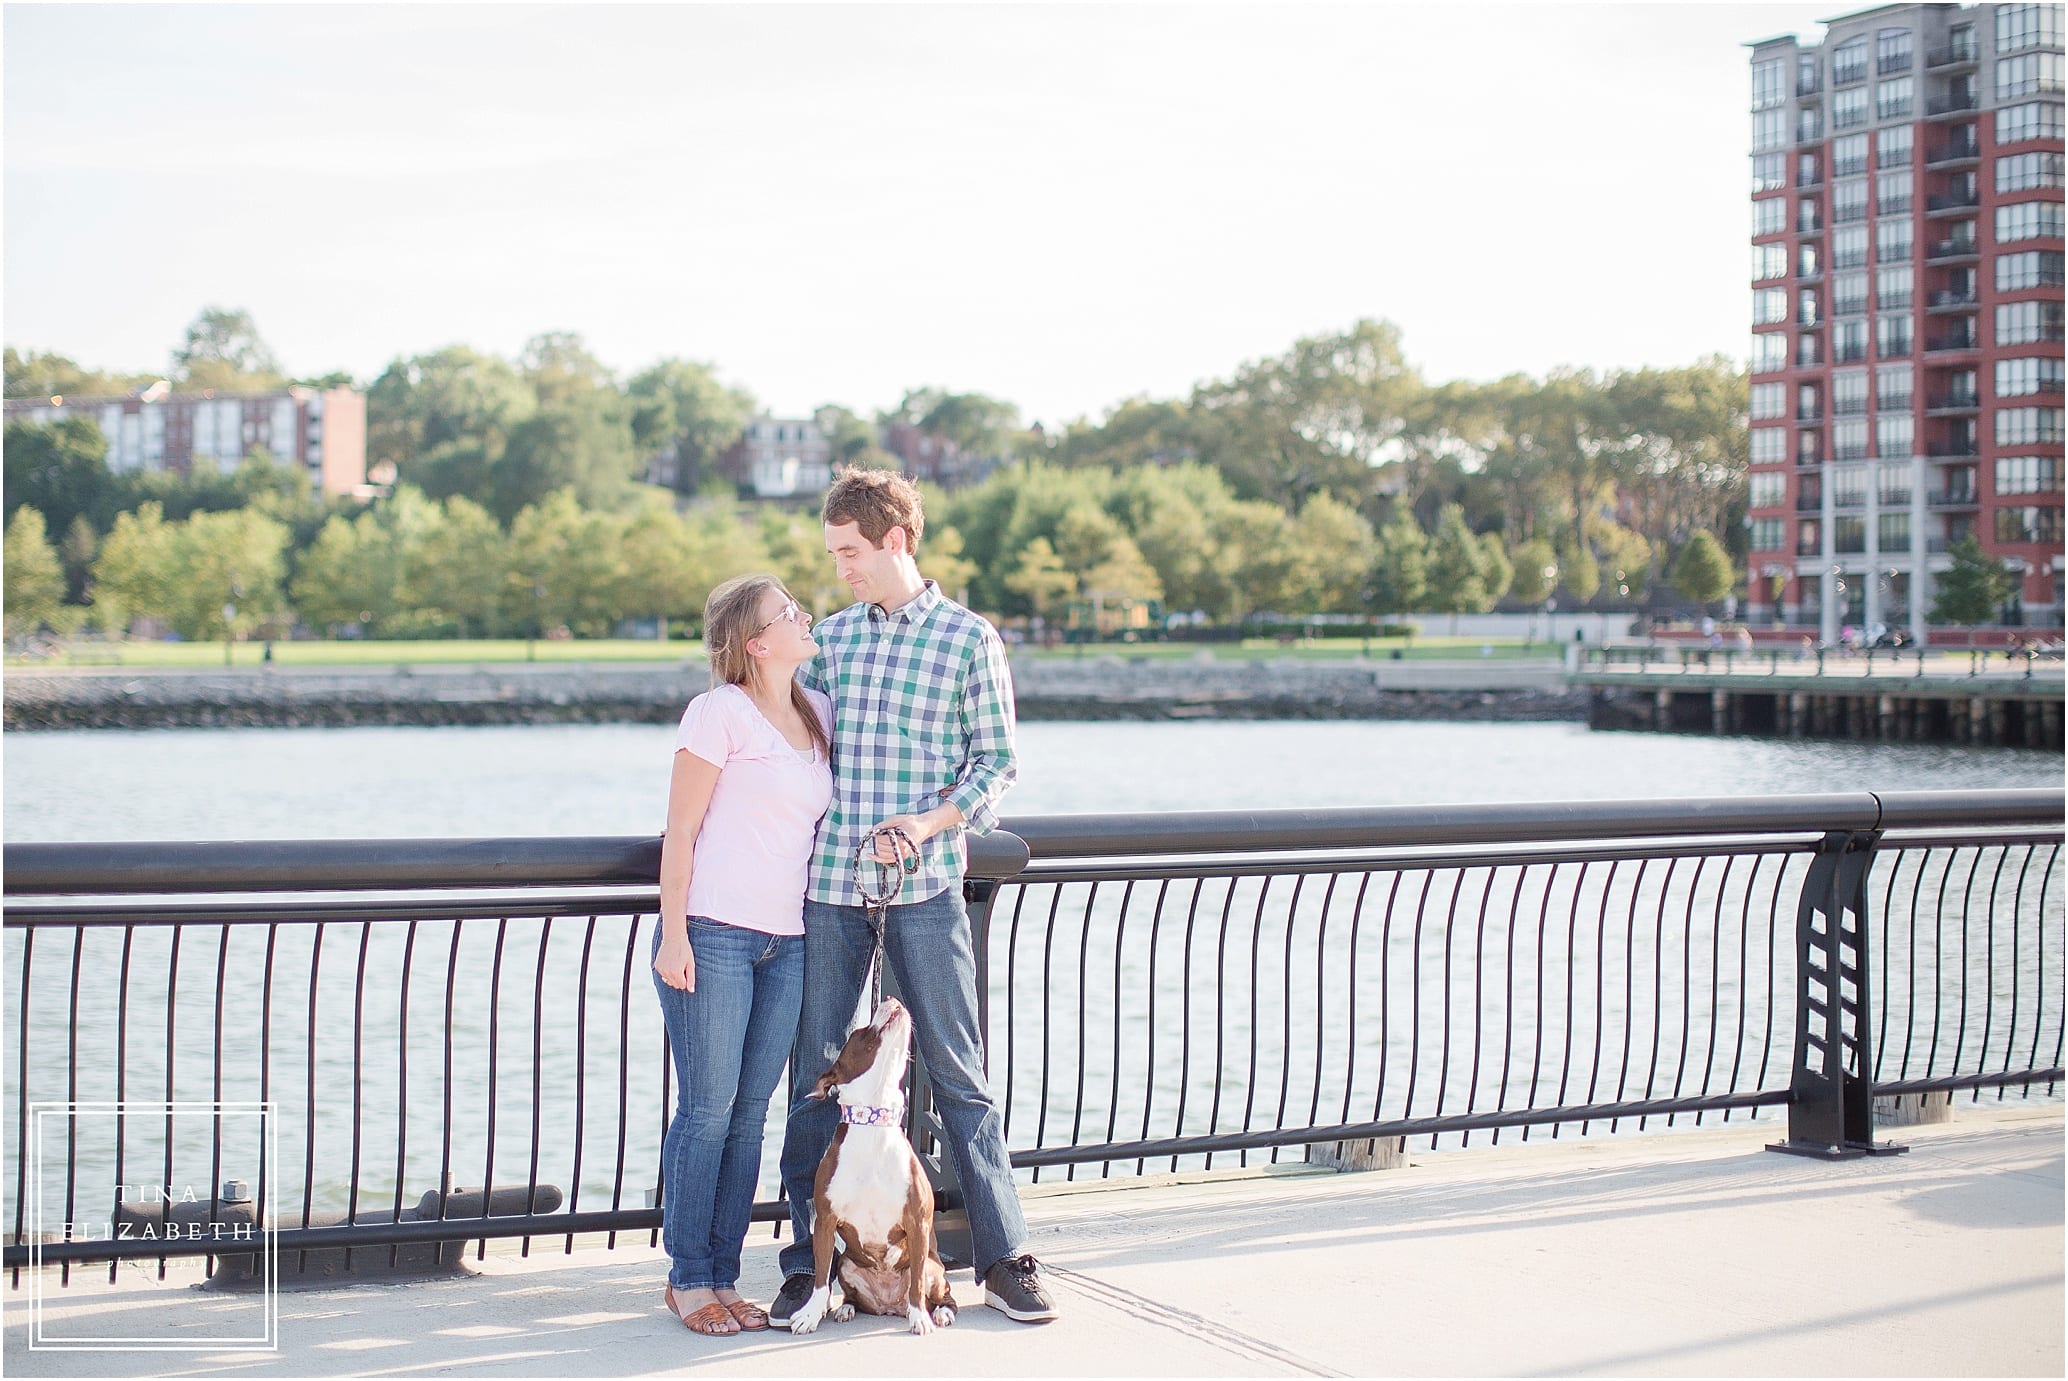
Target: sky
[(1059, 205)]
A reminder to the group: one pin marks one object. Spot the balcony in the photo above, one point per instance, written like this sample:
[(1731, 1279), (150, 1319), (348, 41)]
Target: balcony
[(1942, 345), (1807, 180), (1808, 88), (1960, 247), (1808, 549), (1809, 503), (1808, 415), (1948, 299), (1848, 354), (1953, 103), (1892, 206), (1952, 450), (1892, 63), (1959, 151), (1947, 202), (1849, 167), (1953, 498), (1953, 402), (1964, 53), (1850, 546), (1848, 407), (1938, 546)]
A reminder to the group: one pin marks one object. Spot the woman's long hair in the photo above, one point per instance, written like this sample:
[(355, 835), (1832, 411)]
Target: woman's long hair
[(731, 617)]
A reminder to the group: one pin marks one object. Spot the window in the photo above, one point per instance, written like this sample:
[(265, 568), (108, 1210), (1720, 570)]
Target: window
[(1769, 445), (1808, 125), (1848, 201), (2021, 323), (1809, 448), (1892, 387), (1892, 193), (1894, 98), (1848, 341), (1892, 532), (2035, 268), (1892, 485), (1849, 392), (2021, 172), (1806, 262), (1769, 306), (1806, 350), (1769, 262), (1768, 534), (2028, 220), (2037, 120), (1892, 335), (1806, 174), (1768, 84), (1849, 441), (1849, 156), (2017, 378), (2035, 74), (1769, 489), (1848, 109), (1768, 172), (1769, 130), (1894, 437), (1807, 218), (1769, 401), (1960, 390), (1849, 62), (1806, 307), (1849, 247), (2028, 475), (2019, 27), (1892, 243), (1769, 217), (1892, 288), (2028, 426), (1848, 294), (1892, 51), (1849, 534), (1892, 147), (1806, 74), (2029, 524), (1806, 403), (1769, 352), (1808, 537)]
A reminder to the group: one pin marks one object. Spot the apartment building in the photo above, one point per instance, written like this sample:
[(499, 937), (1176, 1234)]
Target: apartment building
[(321, 430), (1906, 312)]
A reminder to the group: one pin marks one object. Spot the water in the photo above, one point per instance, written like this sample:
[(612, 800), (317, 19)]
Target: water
[(609, 780)]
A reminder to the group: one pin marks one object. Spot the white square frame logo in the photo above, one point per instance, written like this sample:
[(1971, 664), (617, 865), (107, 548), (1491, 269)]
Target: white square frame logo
[(267, 1245)]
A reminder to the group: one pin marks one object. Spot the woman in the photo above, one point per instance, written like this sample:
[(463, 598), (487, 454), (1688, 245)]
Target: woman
[(752, 777)]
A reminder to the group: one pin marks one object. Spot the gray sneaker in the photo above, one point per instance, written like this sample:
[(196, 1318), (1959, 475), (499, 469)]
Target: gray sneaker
[(796, 1290), (1013, 1287)]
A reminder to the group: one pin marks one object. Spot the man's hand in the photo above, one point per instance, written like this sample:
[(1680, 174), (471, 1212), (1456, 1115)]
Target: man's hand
[(917, 828)]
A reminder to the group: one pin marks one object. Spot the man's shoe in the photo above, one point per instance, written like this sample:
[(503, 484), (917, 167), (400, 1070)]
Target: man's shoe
[(1013, 1287), (796, 1290)]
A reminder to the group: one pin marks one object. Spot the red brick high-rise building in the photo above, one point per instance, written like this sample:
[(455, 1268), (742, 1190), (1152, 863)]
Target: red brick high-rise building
[(1907, 312)]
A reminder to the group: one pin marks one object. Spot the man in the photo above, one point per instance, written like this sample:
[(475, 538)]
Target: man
[(922, 742)]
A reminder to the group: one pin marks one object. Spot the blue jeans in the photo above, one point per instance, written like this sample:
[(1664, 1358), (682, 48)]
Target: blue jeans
[(928, 947), (729, 1039)]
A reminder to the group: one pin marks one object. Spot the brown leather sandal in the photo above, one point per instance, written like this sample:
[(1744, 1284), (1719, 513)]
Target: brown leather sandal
[(752, 1318), (712, 1320)]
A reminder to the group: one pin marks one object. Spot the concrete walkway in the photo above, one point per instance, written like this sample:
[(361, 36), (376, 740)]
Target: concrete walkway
[(1682, 1253)]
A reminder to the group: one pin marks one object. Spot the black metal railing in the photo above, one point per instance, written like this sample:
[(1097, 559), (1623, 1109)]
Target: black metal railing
[(426, 1019)]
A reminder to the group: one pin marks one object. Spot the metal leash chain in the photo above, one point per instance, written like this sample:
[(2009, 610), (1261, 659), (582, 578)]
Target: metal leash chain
[(890, 880)]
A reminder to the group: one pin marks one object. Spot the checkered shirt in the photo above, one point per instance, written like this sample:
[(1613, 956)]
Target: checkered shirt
[(922, 714)]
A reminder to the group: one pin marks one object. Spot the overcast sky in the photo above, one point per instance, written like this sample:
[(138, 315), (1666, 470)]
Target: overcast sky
[(1061, 205)]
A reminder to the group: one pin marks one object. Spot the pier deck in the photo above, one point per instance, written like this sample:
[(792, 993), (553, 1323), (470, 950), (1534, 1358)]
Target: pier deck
[(1687, 1253)]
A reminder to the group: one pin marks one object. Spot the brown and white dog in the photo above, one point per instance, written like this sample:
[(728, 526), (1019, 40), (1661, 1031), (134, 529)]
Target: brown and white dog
[(872, 1194)]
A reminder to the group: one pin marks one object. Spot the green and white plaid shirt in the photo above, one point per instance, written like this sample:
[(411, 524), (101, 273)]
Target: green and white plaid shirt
[(922, 714)]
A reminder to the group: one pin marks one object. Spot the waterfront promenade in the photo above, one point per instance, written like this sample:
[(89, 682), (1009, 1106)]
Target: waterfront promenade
[(1684, 1253)]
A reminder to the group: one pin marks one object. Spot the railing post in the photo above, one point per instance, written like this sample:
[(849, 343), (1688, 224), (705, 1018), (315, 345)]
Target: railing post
[(1831, 1091)]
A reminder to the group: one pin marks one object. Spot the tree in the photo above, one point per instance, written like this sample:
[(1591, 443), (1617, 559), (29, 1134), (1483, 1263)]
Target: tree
[(223, 350), (137, 571), (658, 565), (1040, 578), (230, 562), (77, 551), (946, 565), (351, 574), (566, 566), (1703, 572), (1457, 568), (1500, 571), (1579, 572), (60, 469), (38, 374), (442, 419), (1972, 589), (462, 566), (583, 445), (1398, 581), (1536, 572), (35, 580), (680, 405), (1254, 539), (1336, 548)]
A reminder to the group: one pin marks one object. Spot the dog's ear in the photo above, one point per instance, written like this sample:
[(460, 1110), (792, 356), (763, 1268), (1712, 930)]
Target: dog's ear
[(827, 1082)]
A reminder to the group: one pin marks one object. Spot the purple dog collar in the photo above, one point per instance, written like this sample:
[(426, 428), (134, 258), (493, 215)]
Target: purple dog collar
[(854, 1115)]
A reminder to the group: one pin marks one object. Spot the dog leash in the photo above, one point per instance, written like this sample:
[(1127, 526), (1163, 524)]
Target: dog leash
[(890, 880)]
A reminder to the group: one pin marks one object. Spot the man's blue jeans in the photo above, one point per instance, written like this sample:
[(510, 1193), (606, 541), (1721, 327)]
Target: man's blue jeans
[(928, 948), (729, 1039)]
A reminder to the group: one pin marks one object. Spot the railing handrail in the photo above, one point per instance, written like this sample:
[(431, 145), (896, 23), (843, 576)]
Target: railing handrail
[(341, 865)]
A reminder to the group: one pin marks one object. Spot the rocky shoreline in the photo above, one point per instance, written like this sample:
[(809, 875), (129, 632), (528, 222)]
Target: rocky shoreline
[(1092, 688)]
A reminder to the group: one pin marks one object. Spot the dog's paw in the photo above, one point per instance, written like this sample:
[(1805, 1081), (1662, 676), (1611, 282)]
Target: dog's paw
[(916, 1317), (841, 1313), (808, 1318), (943, 1315)]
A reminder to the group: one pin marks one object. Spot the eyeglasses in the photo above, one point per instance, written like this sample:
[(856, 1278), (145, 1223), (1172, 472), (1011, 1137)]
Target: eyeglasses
[(790, 611)]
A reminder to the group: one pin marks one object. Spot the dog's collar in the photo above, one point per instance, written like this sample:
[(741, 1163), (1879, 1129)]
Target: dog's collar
[(855, 1115)]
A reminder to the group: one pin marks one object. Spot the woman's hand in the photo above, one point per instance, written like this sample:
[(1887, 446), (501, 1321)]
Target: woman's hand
[(676, 962)]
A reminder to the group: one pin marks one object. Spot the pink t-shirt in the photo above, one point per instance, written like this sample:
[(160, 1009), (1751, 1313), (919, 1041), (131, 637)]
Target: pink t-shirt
[(755, 845)]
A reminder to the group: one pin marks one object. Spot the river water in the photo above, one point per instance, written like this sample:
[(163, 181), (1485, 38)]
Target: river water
[(515, 989)]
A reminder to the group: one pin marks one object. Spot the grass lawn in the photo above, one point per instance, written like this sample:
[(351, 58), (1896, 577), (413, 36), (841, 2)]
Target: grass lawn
[(327, 653)]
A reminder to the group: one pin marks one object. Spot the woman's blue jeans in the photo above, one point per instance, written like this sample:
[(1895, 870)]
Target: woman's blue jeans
[(729, 1040)]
